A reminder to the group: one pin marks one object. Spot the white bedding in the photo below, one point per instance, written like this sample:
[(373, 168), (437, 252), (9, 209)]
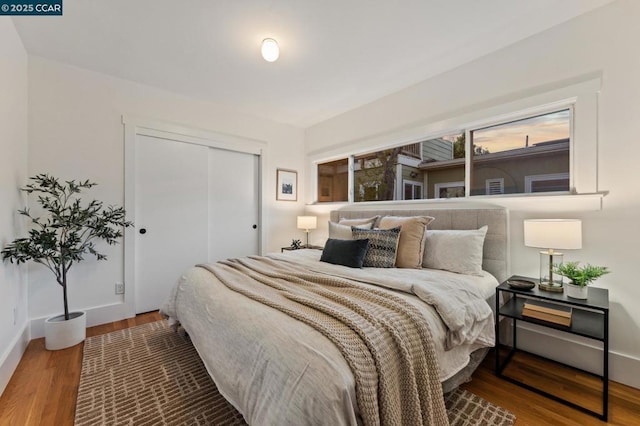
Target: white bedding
[(277, 370), (453, 353)]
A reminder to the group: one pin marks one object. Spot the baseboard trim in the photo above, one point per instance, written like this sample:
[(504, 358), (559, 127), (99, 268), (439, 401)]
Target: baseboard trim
[(579, 352), (12, 356), (96, 315)]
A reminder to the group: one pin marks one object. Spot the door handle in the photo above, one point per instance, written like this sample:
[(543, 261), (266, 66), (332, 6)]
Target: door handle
[(143, 230)]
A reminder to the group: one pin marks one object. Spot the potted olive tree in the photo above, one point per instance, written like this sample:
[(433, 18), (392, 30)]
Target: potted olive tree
[(580, 277), (59, 238)]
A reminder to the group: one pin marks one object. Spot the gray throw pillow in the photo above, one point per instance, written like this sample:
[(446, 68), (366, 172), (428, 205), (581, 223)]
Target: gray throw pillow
[(455, 250)]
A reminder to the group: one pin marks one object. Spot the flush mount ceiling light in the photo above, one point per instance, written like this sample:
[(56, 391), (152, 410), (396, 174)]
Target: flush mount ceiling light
[(270, 50)]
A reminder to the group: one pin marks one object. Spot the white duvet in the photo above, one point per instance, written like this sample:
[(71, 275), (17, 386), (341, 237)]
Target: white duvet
[(277, 370)]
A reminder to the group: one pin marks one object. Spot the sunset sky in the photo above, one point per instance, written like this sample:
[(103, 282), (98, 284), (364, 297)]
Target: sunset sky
[(513, 135)]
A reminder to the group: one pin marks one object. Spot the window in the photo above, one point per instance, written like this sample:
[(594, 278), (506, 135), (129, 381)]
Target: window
[(517, 156), (516, 152), (443, 166), (412, 190), (333, 181), (420, 165), (547, 183), (449, 190), (375, 175)]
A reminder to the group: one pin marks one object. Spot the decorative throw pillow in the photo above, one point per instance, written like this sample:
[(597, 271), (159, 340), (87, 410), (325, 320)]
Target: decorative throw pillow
[(343, 232), (455, 250), (412, 238), (383, 244), (359, 222), (345, 252)]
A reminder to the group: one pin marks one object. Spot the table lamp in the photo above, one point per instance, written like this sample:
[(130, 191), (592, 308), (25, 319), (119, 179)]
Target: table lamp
[(552, 234), (307, 223)]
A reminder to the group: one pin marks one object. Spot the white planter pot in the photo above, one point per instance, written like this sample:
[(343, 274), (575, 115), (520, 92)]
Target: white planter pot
[(577, 292), (61, 334)]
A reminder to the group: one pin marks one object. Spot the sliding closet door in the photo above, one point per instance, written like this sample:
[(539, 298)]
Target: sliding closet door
[(234, 226), (171, 218)]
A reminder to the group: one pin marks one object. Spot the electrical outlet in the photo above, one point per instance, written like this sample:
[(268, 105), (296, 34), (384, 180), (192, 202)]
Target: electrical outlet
[(119, 288)]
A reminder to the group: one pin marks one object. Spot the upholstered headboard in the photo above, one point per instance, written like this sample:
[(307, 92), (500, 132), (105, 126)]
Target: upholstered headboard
[(496, 244)]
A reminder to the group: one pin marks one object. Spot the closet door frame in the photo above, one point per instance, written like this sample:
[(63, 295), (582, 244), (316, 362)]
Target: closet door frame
[(135, 126)]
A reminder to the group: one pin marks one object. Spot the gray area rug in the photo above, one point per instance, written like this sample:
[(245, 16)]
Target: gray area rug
[(151, 375)]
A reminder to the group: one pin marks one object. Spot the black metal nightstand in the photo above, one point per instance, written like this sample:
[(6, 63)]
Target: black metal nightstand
[(590, 318)]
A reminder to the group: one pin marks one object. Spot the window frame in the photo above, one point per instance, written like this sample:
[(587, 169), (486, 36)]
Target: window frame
[(581, 95)]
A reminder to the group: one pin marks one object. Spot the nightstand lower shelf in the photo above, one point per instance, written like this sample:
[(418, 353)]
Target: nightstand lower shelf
[(585, 376)]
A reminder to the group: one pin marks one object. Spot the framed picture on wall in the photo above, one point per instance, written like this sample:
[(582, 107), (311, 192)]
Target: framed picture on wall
[(286, 185)]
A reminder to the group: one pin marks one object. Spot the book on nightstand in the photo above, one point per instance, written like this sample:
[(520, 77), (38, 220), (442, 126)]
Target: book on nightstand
[(549, 308), (556, 319), (551, 312)]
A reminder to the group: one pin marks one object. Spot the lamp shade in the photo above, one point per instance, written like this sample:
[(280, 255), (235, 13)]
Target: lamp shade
[(307, 222), (553, 233)]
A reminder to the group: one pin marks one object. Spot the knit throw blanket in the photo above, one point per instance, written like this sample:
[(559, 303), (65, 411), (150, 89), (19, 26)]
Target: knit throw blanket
[(384, 339)]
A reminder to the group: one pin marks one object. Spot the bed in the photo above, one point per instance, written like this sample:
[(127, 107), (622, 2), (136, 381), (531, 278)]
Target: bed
[(276, 369)]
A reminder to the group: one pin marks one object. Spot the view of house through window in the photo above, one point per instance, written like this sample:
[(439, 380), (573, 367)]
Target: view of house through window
[(528, 155), (431, 168), (521, 156), (442, 166)]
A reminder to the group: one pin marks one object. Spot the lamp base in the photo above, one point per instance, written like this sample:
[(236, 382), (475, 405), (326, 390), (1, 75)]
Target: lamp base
[(550, 281), (551, 287)]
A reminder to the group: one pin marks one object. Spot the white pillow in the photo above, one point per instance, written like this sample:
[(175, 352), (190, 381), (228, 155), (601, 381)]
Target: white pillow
[(360, 222), (455, 250), (343, 232)]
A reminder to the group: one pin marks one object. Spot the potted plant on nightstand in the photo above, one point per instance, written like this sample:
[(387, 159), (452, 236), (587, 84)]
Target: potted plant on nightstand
[(59, 239), (580, 276)]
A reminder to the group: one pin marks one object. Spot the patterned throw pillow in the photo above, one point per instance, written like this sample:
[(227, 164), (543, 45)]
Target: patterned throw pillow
[(383, 245)]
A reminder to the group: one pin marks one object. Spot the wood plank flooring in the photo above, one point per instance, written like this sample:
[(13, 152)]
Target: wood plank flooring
[(43, 389)]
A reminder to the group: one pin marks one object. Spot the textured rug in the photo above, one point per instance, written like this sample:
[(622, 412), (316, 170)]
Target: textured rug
[(151, 375)]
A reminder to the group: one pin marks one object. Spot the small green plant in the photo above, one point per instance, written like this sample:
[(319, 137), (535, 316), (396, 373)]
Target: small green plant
[(60, 238), (580, 275)]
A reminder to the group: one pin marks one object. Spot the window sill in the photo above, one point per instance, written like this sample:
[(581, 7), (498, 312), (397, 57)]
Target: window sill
[(521, 202), (546, 202)]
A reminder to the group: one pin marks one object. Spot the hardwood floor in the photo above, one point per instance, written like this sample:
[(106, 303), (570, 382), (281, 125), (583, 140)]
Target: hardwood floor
[(531, 408), (43, 389)]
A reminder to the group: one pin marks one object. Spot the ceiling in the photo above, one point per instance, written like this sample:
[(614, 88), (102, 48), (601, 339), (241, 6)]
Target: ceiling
[(335, 55)]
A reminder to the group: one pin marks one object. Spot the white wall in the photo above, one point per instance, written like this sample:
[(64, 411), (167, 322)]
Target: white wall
[(76, 131), (13, 169), (599, 44)]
